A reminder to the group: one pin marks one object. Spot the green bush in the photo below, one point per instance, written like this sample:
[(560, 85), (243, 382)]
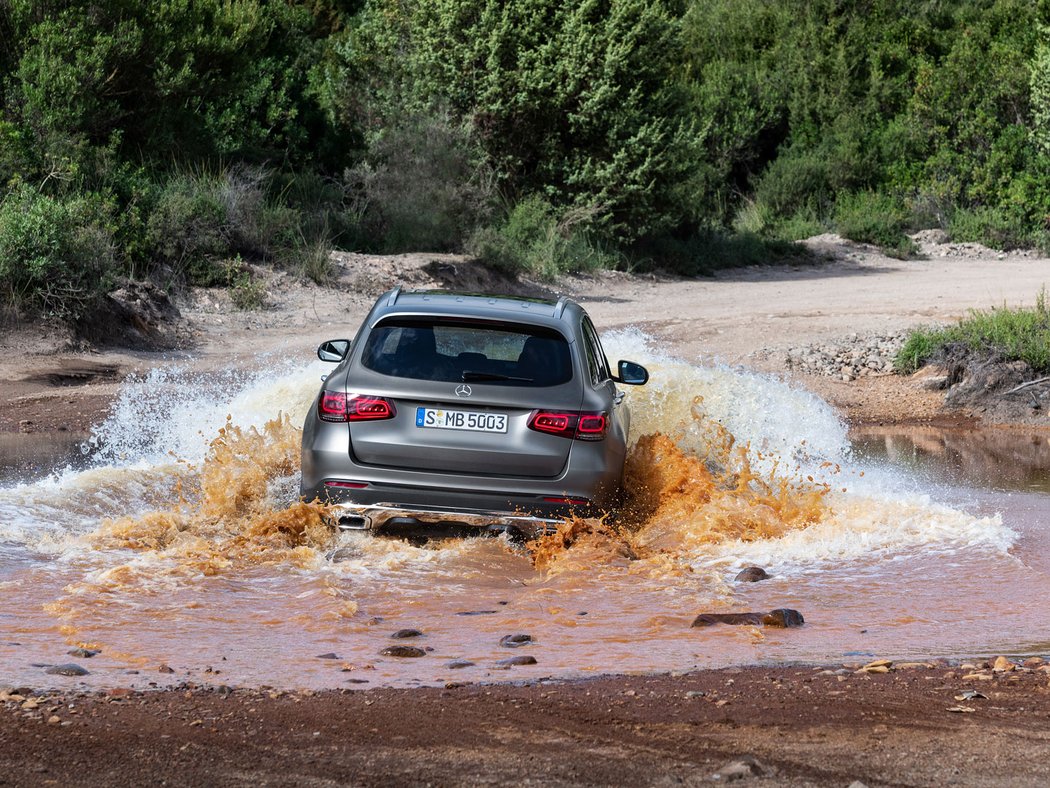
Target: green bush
[(535, 240), (1012, 334), (247, 292), (707, 250), (57, 257), (991, 226), (795, 181), (422, 186), (188, 229), (874, 218), (198, 219)]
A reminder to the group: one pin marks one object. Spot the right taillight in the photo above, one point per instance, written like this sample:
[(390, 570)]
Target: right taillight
[(585, 426), (336, 406)]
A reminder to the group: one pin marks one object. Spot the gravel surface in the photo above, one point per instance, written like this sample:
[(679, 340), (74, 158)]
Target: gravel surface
[(881, 724)]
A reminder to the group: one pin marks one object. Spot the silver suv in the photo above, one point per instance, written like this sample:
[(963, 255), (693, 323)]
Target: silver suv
[(460, 409)]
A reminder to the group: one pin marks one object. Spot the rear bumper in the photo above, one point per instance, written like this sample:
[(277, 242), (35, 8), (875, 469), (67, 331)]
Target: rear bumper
[(370, 517)]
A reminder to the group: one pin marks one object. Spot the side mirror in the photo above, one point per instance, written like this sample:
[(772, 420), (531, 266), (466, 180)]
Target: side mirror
[(632, 374), (334, 350)]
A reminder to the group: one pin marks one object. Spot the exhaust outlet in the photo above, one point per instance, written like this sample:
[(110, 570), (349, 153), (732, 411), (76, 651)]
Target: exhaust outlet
[(351, 522)]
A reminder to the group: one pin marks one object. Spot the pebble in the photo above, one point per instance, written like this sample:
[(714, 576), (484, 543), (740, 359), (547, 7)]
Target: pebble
[(875, 669), (403, 651), (407, 633), (1003, 665), (514, 641), (329, 655), (54, 720), (165, 669), (476, 613), (83, 653), (456, 664), (742, 768), (69, 669), (521, 659)]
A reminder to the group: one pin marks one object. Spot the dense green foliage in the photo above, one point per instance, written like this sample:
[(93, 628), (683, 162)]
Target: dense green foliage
[(1009, 334), (163, 139)]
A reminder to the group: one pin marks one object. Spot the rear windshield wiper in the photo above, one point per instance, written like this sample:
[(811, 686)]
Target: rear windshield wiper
[(470, 374)]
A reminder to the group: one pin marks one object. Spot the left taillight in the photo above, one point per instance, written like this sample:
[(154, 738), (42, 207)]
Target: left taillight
[(584, 426), (336, 406)]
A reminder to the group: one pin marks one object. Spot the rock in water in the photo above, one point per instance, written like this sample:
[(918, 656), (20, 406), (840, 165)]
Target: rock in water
[(752, 574), (69, 669), (403, 651), (83, 653), (513, 641), (710, 619), (407, 633), (783, 617), (523, 659), (329, 655), (341, 554), (456, 664)]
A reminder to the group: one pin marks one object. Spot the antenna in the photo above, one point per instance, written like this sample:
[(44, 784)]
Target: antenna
[(393, 296)]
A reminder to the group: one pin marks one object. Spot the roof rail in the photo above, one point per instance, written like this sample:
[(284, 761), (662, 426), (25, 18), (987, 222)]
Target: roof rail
[(560, 306), (393, 296)]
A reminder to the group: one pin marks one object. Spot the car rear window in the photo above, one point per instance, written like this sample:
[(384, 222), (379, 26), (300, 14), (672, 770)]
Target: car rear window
[(510, 354)]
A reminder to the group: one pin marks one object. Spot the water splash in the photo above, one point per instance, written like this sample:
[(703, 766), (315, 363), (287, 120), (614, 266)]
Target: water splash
[(187, 524)]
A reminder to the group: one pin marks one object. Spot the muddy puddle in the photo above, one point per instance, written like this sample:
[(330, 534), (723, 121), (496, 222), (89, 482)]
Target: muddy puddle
[(182, 544)]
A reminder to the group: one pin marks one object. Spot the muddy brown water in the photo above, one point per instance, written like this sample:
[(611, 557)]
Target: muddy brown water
[(182, 544)]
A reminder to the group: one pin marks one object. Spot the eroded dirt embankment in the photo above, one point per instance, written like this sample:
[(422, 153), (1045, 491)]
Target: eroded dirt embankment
[(799, 726)]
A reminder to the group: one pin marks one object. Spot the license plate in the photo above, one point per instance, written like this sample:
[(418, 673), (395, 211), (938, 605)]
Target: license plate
[(441, 419)]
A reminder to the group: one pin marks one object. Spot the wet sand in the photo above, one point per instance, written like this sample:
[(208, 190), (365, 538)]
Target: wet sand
[(892, 728), (804, 727)]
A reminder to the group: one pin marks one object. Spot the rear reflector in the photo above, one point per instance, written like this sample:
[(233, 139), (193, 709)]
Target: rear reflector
[(572, 501), (351, 485), (585, 426), (336, 406)]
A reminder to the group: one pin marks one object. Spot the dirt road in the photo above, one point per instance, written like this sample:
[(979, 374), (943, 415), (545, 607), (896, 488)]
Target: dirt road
[(745, 316)]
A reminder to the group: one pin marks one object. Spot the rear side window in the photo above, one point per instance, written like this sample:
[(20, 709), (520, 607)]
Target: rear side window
[(596, 361), (511, 354)]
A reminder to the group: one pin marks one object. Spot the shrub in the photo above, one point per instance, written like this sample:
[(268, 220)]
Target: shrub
[(535, 240), (990, 226), (422, 187), (313, 259), (188, 229), (246, 291), (874, 218), (1012, 334), (710, 249), (795, 181), (56, 256)]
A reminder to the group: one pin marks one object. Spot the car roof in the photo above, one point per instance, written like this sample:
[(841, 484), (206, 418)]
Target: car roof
[(453, 303)]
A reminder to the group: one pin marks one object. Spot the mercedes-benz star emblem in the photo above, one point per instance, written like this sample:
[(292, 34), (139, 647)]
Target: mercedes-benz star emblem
[(463, 390)]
